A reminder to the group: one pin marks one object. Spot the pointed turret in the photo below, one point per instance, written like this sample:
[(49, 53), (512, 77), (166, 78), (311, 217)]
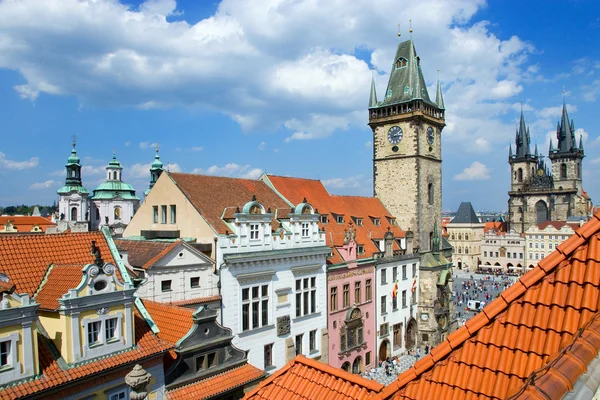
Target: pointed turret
[(72, 197), (510, 150), (565, 132), (439, 98), (155, 170), (551, 147), (523, 139), (536, 150), (581, 143), (372, 97)]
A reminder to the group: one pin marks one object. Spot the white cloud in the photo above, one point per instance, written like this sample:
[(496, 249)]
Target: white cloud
[(262, 146), (475, 172), (142, 171), (197, 148), (343, 183), (231, 170), (127, 143), (18, 165), (147, 145), (43, 185), (555, 112)]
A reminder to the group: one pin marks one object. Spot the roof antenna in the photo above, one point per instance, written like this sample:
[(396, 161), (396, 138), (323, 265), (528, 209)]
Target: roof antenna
[(410, 28)]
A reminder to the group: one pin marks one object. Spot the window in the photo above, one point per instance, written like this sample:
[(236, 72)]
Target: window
[(404, 277), (563, 171), (368, 292), (121, 395), (339, 219), (368, 358), (163, 214), (5, 354), (406, 90), (206, 361), (394, 274), (351, 334), (401, 63), (404, 299), (173, 209), (165, 286), (299, 344), (430, 193), (383, 276), (306, 296), (359, 222), (154, 214), (253, 231), (357, 292), (383, 304), (360, 249), (110, 329), (304, 229), (312, 341), (93, 331), (255, 307), (485, 253), (346, 299), (414, 270), (376, 221), (384, 329), (324, 219), (333, 302), (530, 245), (117, 213), (268, 352), (195, 282)]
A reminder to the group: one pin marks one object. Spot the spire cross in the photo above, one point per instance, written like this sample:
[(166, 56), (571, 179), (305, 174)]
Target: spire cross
[(114, 152), (156, 147), (74, 140)]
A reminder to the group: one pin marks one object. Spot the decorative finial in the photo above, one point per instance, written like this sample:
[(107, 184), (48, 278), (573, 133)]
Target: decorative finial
[(399, 34), (521, 106), (114, 152), (156, 147), (563, 93), (410, 27), (74, 141)]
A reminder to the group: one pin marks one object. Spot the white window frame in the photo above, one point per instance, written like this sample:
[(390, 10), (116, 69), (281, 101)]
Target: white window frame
[(305, 229), (103, 346), (312, 336), (12, 370), (173, 212), (339, 219), (324, 219), (254, 230), (250, 301), (307, 294), (116, 392)]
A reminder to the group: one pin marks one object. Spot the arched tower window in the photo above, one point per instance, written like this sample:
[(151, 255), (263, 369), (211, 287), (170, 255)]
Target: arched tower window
[(520, 175), (115, 175), (430, 193), (401, 63), (117, 213), (578, 170), (563, 171), (73, 213), (542, 213)]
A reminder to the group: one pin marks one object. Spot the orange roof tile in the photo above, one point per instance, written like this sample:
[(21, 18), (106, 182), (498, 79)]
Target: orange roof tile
[(173, 322), (217, 384), (59, 280), (303, 378), (196, 300), (496, 226), (26, 258), (211, 195), (499, 350), (52, 375), (141, 253), (25, 223), (367, 208)]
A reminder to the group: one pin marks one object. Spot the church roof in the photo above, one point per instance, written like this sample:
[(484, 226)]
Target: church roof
[(72, 188), (465, 214), (538, 336), (113, 189)]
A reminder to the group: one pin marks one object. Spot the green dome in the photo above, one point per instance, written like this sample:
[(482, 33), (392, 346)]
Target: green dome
[(114, 163), (73, 159), (113, 189), (157, 164), (72, 188)]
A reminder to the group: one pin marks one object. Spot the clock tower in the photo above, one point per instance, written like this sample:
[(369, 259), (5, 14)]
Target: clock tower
[(407, 147)]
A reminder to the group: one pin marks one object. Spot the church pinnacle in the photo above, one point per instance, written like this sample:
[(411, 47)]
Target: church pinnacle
[(439, 98), (372, 97)]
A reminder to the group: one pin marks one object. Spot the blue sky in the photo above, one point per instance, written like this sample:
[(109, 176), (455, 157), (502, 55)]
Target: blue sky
[(236, 88)]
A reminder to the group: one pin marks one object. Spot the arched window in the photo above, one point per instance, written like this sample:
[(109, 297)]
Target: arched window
[(115, 175), (563, 171), (466, 250), (520, 175), (74, 214), (401, 63), (541, 210), (460, 250), (346, 366), (430, 193), (117, 212), (351, 334), (97, 214), (357, 365), (578, 170), (460, 236)]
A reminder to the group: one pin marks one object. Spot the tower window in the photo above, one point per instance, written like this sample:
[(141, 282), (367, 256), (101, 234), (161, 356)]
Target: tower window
[(563, 171), (430, 193), (74, 214), (115, 175), (520, 175), (401, 63)]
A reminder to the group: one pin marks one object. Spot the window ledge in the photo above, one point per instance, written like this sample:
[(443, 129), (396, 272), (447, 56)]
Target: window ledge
[(6, 368), (270, 368), (305, 317), (287, 304), (256, 330)]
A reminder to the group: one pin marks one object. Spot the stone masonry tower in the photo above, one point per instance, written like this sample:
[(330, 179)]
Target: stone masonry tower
[(567, 157), (407, 147)]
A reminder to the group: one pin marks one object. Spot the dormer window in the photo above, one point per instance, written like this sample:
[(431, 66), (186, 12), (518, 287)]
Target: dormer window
[(253, 231), (376, 221), (256, 209), (324, 219), (359, 222), (401, 63), (339, 219), (360, 249), (392, 221), (406, 90)]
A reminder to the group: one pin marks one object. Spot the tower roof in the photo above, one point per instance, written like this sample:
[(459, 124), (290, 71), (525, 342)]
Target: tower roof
[(73, 159), (439, 98), (157, 164), (114, 163), (373, 95), (522, 139), (465, 214), (406, 78), (566, 133)]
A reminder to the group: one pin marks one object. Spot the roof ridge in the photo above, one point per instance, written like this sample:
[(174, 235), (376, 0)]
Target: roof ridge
[(215, 176), (43, 281), (160, 255), (294, 177), (457, 338)]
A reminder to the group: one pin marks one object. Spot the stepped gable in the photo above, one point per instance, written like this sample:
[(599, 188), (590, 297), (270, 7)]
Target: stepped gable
[(539, 335), (26, 259), (211, 195), (304, 378)]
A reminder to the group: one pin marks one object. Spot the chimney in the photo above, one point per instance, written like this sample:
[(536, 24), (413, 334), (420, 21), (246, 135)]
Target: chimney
[(409, 242), (388, 239)]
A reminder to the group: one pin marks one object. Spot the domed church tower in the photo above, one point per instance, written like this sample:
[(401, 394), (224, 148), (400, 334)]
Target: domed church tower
[(73, 197)]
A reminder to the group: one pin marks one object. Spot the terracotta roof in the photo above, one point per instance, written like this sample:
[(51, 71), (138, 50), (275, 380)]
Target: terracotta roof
[(303, 378), (217, 384), (556, 224), (210, 195), (173, 322), (147, 344), (140, 253), (495, 226), (366, 208), (498, 351), (58, 281), (196, 300), (26, 258), (26, 223)]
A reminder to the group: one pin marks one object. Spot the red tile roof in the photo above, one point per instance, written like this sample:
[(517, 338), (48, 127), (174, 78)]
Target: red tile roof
[(556, 224), (303, 378), (52, 375), (26, 258), (25, 223), (211, 195), (58, 281), (495, 226), (217, 384), (173, 322), (140, 253), (533, 322), (297, 189), (196, 300), (7, 287)]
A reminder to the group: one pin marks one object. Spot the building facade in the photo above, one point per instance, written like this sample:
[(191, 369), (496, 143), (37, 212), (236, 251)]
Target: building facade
[(73, 196), (502, 252), (539, 193), (542, 239), (465, 232), (407, 147)]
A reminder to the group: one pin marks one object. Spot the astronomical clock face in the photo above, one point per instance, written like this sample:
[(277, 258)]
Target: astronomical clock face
[(430, 135), (540, 172), (395, 134)]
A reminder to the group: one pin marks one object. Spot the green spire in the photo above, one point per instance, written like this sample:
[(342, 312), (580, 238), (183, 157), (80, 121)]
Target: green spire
[(157, 164), (551, 147), (373, 96), (510, 150), (439, 99)]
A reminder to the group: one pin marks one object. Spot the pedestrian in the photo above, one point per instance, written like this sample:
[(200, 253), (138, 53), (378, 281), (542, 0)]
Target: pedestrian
[(427, 346)]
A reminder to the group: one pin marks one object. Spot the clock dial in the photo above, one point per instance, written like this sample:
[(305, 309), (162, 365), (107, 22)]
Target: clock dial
[(540, 172), (395, 134), (430, 135)]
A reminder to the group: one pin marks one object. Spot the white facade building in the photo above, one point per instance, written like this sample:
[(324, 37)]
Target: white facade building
[(502, 251), (73, 197), (543, 238), (273, 283)]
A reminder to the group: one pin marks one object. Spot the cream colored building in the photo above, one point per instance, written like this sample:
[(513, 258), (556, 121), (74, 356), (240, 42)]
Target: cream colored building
[(465, 233), (542, 239), (502, 251)]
